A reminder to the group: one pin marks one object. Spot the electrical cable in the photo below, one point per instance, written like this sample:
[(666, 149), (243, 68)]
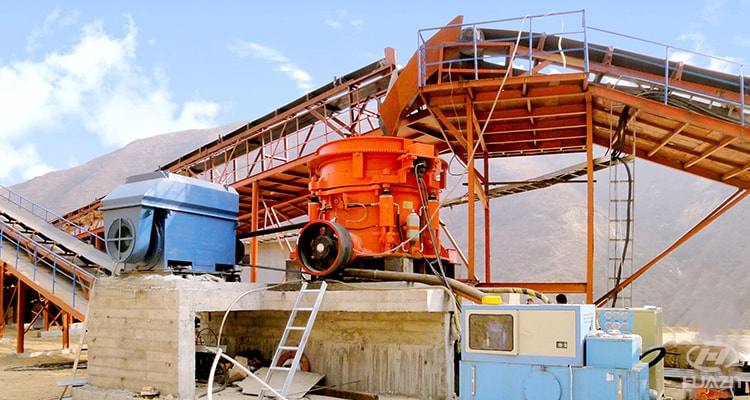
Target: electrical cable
[(617, 148), (218, 340)]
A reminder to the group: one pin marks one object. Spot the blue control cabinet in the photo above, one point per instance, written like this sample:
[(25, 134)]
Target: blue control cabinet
[(546, 352)]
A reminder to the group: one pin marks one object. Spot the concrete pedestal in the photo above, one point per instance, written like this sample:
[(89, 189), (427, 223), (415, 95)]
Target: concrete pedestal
[(376, 338)]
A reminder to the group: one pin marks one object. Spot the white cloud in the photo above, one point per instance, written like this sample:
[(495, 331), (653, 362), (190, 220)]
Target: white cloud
[(52, 20), (282, 64), (341, 18), (333, 24), (23, 162), (705, 55), (95, 83)]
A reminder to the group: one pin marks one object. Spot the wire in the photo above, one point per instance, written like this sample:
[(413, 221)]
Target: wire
[(221, 329), (618, 144)]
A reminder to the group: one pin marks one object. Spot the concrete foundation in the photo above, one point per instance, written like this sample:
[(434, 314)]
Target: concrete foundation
[(375, 338)]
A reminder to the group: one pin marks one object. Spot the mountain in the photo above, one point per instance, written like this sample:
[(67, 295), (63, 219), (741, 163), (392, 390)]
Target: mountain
[(69, 189), (535, 236), (540, 236)]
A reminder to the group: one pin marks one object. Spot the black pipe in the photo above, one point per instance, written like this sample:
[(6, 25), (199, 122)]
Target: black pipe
[(269, 231)]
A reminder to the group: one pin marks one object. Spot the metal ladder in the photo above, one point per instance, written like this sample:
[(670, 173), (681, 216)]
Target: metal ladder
[(621, 211), (291, 327), (621, 230)]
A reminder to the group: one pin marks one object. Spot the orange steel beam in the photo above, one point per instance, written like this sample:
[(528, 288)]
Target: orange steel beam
[(487, 241), (544, 287), (254, 226), (20, 315), (471, 188), (589, 200), (66, 330), (658, 108), (405, 89), (730, 202), (47, 295)]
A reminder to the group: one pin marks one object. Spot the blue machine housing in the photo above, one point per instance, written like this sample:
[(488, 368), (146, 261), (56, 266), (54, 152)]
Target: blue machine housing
[(546, 352), (163, 221)]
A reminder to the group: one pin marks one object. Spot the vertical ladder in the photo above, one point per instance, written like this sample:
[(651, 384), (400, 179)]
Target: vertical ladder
[(621, 202), (291, 327)]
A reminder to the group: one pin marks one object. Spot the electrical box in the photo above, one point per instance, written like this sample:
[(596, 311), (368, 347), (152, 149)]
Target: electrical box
[(613, 351), (527, 334), (646, 322), (536, 352)]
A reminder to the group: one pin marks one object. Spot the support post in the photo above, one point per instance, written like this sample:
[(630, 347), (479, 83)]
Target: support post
[(487, 241), (254, 227), (66, 330), (589, 200), (46, 314), (471, 187), (20, 312)]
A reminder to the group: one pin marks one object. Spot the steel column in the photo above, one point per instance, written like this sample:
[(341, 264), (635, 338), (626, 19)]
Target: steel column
[(66, 330), (20, 314), (471, 186), (254, 227), (487, 241), (589, 200)]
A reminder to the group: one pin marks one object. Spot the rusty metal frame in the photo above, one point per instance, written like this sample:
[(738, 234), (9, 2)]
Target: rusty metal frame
[(727, 204)]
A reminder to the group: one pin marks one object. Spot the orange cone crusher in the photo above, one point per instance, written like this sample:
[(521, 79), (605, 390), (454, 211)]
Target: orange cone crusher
[(374, 203)]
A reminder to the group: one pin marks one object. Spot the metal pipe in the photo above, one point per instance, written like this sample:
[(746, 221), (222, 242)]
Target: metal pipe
[(459, 287), (269, 231)]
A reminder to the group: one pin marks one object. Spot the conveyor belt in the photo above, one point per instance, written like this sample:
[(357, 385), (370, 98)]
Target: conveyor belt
[(560, 176)]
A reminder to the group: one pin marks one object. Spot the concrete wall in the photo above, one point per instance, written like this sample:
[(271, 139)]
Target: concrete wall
[(401, 353), (141, 333)]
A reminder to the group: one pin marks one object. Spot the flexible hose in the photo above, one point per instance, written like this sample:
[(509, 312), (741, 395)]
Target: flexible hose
[(528, 292), (458, 286)]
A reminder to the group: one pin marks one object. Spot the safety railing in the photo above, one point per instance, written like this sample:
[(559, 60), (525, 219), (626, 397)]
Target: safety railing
[(342, 108), (44, 261), (540, 44), (46, 215), (668, 73), (515, 43)]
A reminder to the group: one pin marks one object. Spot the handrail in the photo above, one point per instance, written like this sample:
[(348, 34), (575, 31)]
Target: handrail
[(57, 264), (46, 214), (575, 44)]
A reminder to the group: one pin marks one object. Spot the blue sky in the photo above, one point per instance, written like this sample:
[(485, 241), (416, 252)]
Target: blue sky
[(79, 79)]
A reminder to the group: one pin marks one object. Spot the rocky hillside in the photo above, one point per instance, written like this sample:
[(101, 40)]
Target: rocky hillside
[(69, 189), (535, 236), (541, 236)]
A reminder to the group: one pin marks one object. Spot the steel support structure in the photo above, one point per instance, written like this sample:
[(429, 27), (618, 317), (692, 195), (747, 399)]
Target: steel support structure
[(589, 202), (471, 171), (20, 315), (727, 204)]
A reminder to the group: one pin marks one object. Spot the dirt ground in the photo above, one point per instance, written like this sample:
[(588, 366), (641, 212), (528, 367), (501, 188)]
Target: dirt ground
[(34, 374)]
